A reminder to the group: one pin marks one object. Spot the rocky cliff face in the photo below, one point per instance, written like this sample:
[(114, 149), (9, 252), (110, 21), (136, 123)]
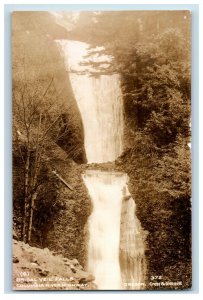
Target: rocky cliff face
[(43, 61), (132, 247), (41, 269)]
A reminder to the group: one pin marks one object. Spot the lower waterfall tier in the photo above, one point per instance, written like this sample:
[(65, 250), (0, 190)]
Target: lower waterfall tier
[(116, 239)]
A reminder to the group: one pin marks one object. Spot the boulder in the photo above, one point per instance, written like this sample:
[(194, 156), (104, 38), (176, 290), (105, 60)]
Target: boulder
[(88, 278), (44, 273), (15, 260), (32, 264), (73, 269), (75, 262)]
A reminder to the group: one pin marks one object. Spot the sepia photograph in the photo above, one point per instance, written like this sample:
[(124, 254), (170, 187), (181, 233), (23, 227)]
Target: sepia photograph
[(101, 145)]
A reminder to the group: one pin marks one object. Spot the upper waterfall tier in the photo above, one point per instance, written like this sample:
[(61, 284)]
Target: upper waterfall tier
[(99, 100)]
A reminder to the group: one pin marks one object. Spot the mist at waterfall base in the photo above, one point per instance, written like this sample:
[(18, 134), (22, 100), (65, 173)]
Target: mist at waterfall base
[(116, 238)]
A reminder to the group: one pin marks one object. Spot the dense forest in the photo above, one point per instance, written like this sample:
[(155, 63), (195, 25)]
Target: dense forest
[(150, 51)]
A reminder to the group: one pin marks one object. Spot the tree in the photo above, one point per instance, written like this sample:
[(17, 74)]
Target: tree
[(156, 87), (37, 116), (45, 112)]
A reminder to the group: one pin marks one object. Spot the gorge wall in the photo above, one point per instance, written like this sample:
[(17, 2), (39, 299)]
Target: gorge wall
[(60, 214)]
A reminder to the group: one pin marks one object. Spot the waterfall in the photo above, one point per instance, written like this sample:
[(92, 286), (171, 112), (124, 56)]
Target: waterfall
[(105, 189), (116, 239), (102, 118)]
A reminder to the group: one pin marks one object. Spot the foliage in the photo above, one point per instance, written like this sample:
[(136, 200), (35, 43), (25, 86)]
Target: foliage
[(160, 184), (63, 213), (155, 91)]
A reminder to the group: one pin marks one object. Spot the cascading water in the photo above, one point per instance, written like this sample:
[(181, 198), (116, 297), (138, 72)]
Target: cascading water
[(102, 117), (116, 243), (104, 226)]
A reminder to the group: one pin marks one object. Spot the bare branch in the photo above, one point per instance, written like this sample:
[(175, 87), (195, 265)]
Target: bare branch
[(44, 94), (47, 130)]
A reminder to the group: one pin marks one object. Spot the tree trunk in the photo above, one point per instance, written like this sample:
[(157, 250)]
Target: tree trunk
[(33, 198), (26, 199), (34, 180)]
